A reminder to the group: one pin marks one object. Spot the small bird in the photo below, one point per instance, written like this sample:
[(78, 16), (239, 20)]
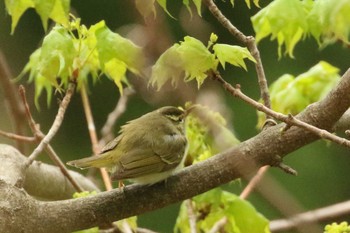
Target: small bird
[(148, 149)]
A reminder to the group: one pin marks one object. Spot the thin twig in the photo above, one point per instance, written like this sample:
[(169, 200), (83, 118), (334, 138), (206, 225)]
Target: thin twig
[(11, 97), (55, 126), (33, 126), (253, 182), (288, 119), (250, 42), (321, 214), (107, 129), (39, 136), (192, 219), (93, 136), (219, 225), (17, 137), (56, 159)]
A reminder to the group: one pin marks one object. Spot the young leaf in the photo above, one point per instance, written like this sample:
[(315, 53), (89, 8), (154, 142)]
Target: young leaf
[(291, 94), (284, 21), (196, 59), (16, 9), (190, 58), (216, 204), (168, 67), (162, 3), (111, 45), (232, 54), (329, 21)]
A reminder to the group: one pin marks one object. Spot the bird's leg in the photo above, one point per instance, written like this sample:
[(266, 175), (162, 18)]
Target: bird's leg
[(121, 185)]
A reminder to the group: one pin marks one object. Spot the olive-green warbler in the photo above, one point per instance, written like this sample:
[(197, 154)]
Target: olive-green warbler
[(147, 150)]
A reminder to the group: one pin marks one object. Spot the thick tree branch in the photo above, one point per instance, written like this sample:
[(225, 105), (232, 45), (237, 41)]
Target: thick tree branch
[(241, 160), (40, 180)]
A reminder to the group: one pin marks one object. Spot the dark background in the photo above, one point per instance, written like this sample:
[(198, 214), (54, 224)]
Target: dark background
[(323, 168)]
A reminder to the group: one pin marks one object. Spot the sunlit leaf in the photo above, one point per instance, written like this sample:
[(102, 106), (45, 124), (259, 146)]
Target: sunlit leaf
[(16, 8), (44, 8), (168, 67), (342, 227), (284, 21), (190, 58), (57, 10), (196, 59), (232, 54), (256, 3), (116, 69), (111, 45), (329, 21), (60, 12)]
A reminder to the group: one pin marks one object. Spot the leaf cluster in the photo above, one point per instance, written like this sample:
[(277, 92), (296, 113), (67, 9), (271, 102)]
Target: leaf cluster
[(192, 59), (291, 94), (74, 52), (290, 21)]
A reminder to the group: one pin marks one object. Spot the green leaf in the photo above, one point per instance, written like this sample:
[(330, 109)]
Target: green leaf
[(232, 54), (291, 94), (256, 3), (116, 69), (16, 8), (284, 21), (329, 21), (44, 9), (197, 3), (57, 10), (52, 61), (342, 227), (111, 45), (168, 67), (60, 12), (196, 59), (57, 55), (210, 207), (190, 58), (162, 3)]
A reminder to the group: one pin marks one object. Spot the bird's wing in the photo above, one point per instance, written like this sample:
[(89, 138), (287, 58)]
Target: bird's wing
[(172, 153), (111, 145), (140, 162)]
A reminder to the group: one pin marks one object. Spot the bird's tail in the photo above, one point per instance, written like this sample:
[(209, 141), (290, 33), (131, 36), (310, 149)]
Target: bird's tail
[(102, 160)]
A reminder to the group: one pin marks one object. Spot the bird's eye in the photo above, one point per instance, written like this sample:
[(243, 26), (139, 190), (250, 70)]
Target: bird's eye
[(177, 119)]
